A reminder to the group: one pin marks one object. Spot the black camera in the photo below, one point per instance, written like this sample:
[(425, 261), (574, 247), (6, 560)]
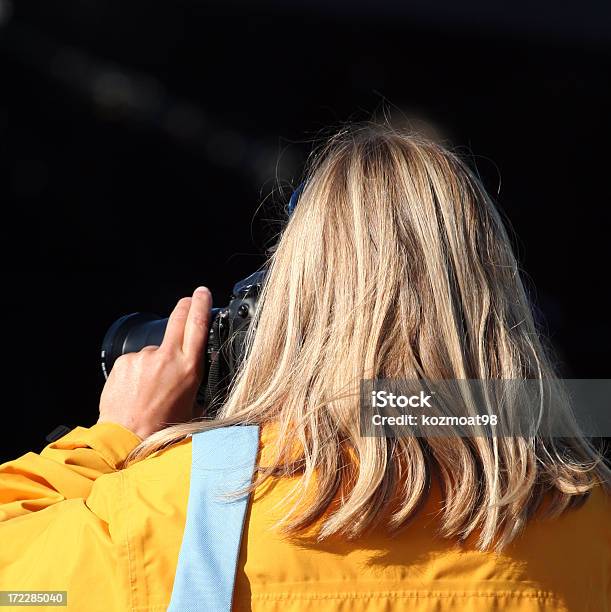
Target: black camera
[(224, 349)]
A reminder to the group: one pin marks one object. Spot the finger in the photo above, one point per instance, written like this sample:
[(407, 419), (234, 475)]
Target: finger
[(175, 329), (198, 321)]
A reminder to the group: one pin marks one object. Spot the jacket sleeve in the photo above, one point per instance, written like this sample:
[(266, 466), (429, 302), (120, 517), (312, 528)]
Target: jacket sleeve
[(65, 469)]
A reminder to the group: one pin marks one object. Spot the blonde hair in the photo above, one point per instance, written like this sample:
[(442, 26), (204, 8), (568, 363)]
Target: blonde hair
[(395, 264)]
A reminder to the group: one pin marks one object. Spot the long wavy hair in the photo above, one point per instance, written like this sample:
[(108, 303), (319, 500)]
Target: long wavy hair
[(395, 264)]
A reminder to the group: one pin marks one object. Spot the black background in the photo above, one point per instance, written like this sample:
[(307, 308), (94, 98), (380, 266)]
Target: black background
[(147, 148)]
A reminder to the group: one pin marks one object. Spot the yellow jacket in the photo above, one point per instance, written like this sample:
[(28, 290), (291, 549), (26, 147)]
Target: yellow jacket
[(69, 520)]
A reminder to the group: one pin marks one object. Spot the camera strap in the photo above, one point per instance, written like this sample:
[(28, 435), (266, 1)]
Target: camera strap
[(222, 464)]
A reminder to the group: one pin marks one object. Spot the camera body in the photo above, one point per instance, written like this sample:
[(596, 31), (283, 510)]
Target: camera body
[(224, 349)]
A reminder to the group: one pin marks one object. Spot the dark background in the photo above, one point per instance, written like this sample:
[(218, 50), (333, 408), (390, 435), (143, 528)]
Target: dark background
[(139, 139)]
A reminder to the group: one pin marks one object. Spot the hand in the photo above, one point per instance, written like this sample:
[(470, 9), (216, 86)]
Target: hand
[(156, 387)]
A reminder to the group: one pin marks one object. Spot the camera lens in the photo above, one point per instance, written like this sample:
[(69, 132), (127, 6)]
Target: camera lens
[(129, 334)]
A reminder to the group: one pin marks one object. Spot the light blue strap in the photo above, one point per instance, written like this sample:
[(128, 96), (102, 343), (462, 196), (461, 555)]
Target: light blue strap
[(223, 462)]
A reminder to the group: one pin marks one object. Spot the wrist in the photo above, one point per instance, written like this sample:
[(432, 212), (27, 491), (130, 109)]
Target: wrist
[(132, 429)]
